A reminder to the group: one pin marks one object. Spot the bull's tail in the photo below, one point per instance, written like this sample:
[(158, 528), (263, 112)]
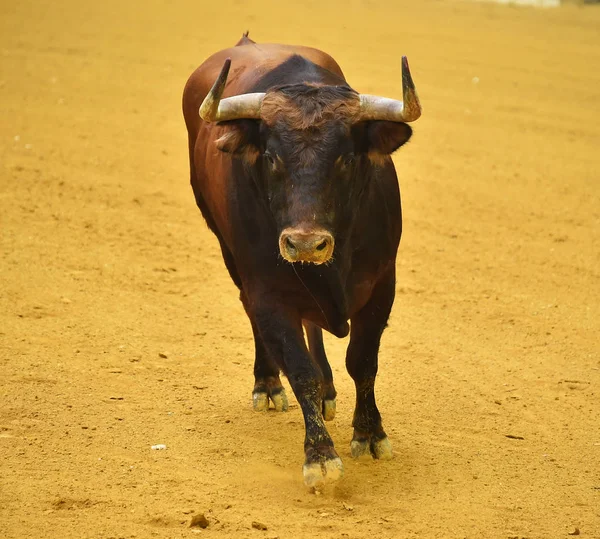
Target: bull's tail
[(245, 40)]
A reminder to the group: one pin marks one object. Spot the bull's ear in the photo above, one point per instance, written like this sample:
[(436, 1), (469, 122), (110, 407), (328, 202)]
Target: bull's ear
[(240, 139), (384, 138)]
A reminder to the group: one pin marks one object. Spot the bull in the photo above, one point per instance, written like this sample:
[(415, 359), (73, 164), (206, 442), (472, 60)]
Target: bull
[(292, 172)]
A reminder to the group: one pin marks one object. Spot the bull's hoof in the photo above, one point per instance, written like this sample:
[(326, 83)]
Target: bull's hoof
[(367, 448), (280, 401), (382, 449), (260, 400), (316, 474), (361, 449), (322, 465), (328, 409)]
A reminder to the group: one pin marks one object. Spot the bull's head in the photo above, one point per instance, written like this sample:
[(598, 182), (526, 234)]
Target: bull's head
[(310, 146)]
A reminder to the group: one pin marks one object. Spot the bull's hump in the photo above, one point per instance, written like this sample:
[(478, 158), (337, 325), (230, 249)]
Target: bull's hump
[(274, 54), (253, 63)]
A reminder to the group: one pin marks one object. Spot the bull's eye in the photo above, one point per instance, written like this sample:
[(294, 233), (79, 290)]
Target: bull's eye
[(348, 160), (270, 159)]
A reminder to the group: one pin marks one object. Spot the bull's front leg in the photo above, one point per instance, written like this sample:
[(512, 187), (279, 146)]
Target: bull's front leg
[(283, 338), (361, 361)]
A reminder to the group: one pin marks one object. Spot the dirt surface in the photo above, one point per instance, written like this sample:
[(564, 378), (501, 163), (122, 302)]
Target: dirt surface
[(120, 328)]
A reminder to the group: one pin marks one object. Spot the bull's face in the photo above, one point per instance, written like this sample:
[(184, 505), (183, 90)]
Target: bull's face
[(311, 158)]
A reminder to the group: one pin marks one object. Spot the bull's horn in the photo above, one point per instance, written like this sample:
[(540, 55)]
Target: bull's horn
[(373, 107), (215, 109)]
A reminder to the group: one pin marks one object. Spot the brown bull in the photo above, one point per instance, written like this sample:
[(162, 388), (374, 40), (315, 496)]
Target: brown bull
[(291, 169)]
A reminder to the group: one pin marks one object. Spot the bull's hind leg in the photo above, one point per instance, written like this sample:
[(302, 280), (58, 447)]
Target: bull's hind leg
[(361, 361), (314, 334), (267, 385)]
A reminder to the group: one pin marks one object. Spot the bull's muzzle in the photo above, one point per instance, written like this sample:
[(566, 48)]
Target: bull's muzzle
[(299, 245)]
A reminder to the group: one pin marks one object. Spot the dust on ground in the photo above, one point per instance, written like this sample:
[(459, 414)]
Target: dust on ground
[(120, 328)]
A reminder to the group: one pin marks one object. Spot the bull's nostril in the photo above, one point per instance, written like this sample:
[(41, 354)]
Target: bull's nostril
[(289, 244), (321, 245)]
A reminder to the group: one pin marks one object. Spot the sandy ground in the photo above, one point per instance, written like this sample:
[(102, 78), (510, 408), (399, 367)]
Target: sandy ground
[(120, 328)]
